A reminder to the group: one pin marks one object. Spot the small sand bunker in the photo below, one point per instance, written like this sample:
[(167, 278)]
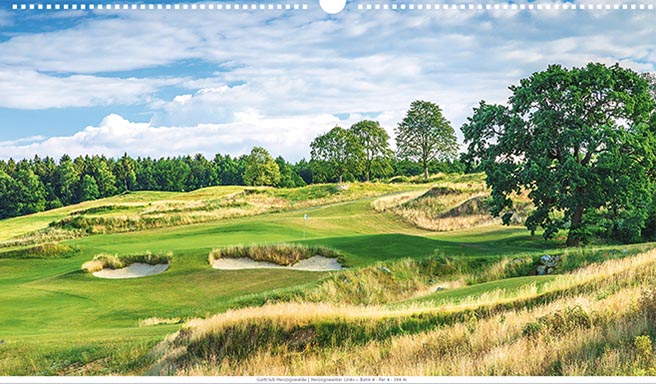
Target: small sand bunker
[(132, 271), (314, 263)]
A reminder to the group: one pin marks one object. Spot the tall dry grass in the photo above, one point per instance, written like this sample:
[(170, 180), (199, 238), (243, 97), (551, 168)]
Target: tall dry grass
[(407, 278), (281, 254), (105, 260), (449, 207), (476, 347), (43, 236), (152, 321), (430, 209), (385, 203), (595, 321), (41, 251)]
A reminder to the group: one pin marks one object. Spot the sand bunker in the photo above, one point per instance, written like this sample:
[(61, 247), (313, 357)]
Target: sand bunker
[(314, 263), (132, 271)]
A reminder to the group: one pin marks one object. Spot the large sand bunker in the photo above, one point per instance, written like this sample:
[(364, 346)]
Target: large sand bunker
[(132, 271), (314, 263)]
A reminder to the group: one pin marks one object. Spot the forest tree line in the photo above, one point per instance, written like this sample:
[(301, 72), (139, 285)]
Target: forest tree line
[(361, 152)]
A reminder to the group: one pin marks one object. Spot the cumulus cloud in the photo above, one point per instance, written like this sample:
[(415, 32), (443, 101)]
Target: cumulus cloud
[(278, 79), (115, 135)]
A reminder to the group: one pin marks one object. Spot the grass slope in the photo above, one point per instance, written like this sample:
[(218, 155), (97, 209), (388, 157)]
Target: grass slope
[(595, 320), (57, 319)]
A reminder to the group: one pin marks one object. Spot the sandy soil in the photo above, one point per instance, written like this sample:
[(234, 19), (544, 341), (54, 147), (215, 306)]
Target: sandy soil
[(314, 263), (132, 271)]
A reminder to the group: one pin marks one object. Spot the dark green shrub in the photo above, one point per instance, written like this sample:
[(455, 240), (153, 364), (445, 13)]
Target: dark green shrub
[(532, 329)]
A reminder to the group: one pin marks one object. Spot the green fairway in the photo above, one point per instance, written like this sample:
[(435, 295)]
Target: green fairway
[(57, 319), (506, 287)]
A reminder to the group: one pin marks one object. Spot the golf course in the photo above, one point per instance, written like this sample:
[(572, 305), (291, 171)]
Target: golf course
[(404, 301), (327, 191)]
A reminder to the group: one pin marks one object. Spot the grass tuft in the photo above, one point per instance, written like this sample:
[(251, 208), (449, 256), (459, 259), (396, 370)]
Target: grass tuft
[(281, 254), (41, 251), (105, 260), (152, 321)]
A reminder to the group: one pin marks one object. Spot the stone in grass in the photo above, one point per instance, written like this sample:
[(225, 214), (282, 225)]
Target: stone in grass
[(541, 270), (439, 289), (386, 270), (550, 261)]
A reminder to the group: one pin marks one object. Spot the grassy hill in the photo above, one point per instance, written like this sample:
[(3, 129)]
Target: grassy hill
[(407, 295)]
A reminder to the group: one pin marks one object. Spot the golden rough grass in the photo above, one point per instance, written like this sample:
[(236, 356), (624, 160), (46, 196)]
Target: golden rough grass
[(105, 260), (281, 254), (151, 321), (445, 224), (448, 207), (600, 275), (93, 266), (427, 209), (477, 347), (284, 314), (388, 202), (47, 235), (493, 345)]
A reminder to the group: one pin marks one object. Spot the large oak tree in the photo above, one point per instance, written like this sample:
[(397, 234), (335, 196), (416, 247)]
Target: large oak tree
[(580, 140)]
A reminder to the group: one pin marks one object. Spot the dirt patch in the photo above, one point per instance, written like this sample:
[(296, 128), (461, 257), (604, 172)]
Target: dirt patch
[(131, 271), (314, 263)]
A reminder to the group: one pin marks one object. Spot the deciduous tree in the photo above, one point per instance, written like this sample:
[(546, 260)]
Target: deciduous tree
[(580, 140), (336, 153), (261, 169), (373, 142), (425, 134)]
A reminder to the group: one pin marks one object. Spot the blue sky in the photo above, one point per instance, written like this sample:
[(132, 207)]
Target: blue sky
[(164, 83)]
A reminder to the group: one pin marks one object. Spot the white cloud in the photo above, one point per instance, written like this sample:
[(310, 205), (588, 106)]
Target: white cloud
[(102, 45), (29, 89), (24, 140), (115, 135), (261, 68)]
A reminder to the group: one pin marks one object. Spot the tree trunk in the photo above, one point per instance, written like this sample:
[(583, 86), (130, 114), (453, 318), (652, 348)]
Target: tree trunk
[(573, 239), (340, 179), (425, 170)]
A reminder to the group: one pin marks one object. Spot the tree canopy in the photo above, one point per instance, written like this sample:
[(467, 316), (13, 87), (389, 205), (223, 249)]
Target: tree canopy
[(373, 143), (580, 141), (335, 153), (425, 134), (261, 169)]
